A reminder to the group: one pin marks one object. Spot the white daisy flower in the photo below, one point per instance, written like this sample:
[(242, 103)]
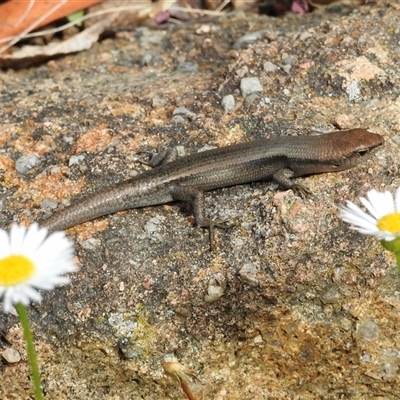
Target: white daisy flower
[(384, 221), (29, 260)]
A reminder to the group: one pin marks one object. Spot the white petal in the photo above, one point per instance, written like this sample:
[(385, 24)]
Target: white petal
[(389, 204), (34, 239), (7, 303), (368, 205), (32, 294), (362, 224), (55, 247), (375, 203), (16, 294), (17, 234), (353, 211), (52, 283), (354, 217), (397, 201), (384, 235)]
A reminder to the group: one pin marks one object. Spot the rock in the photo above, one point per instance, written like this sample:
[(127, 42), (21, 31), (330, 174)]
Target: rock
[(214, 292), (250, 85), (353, 90), (153, 225), (215, 289), (76, 159), (206, 147), (368, 330), (158, 102), (11, 355), (250, 38), (48, 204), (187, 67), (289, 60), (183, 111), (249, 274), (270, 67), (305, 35), (331, 295), (177, 119), (228, 102), (25, 163), (252, 98)]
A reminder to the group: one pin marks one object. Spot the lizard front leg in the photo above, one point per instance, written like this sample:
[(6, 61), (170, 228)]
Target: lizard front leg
[(283, 178), (196, 199)]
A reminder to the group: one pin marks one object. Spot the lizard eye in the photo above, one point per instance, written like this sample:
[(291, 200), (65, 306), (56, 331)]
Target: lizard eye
[(362, 153)]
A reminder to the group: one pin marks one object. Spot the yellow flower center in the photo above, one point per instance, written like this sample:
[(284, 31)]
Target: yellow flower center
[(390, 223), (15, 269)]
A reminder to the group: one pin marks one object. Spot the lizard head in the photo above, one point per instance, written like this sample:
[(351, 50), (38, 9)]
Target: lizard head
[(335, 151), (352, 147)]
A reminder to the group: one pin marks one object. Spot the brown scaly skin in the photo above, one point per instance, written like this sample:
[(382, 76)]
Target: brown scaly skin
[(187, 178)]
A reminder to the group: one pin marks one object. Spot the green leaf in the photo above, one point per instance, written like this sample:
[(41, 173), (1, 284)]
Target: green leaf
[(76, 16)]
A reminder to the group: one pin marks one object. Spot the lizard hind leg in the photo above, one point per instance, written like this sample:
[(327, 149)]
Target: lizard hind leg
[(161, 158), (196, 199)]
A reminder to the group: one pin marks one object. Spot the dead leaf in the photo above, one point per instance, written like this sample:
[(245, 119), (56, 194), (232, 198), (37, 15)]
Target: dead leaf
[(19, 17), (32, 55)]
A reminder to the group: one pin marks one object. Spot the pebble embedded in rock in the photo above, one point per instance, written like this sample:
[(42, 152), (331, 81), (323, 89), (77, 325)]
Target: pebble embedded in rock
[(147, 59), (11, 355), (252, 98), (368, 330), (270, 67), (206, 147), (353, 90), (305, 35), (91, 244), (187, 67), (258, 339), (48, 204), (249, 86), (158, 102), (396, 139), (180, 114), (288, 60), (388, 370), (345, 323), (153, 225), (248, 39), (228, 102), (180, 150), (25, 163), (366, 358), (243, 71), (390, 355), (331, 295), (249, 274), (215, 289), (76, 160), (128, 350), (177, 119), (184, 112), (214, 292)]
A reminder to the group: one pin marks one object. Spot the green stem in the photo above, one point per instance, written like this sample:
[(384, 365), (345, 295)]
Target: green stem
[(23, 316), (394, 247)]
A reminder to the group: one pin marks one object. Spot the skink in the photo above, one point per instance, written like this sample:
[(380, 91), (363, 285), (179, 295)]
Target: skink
[(187, 178)]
